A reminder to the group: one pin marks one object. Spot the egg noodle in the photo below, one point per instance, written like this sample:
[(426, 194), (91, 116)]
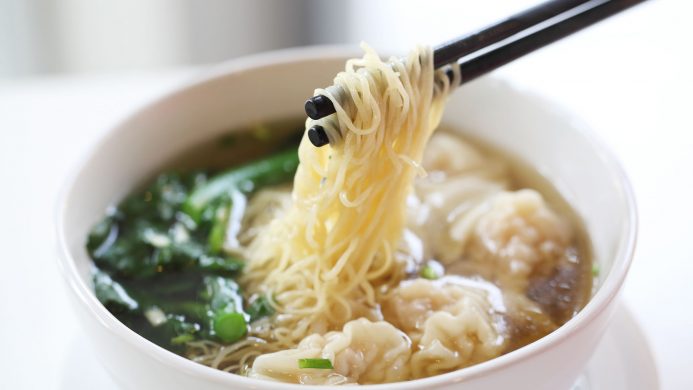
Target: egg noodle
[(331, 254), (327, 258)]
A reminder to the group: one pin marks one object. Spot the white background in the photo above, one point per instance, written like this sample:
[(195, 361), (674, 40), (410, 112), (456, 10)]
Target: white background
[(629, 78)]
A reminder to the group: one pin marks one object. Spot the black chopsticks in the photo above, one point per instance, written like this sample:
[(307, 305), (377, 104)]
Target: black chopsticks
[(455, 49), (319, 106), (489, 50)]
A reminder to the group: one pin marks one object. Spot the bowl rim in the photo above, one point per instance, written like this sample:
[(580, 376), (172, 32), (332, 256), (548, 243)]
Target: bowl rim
[(599, 302)]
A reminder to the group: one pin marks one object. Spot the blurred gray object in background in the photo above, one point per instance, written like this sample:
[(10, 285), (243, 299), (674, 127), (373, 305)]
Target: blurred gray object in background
[(75, 36), (79, 36)]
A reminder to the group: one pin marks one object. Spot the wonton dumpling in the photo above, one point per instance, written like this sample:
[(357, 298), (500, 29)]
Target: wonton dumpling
[(363, 352), (448, 153), (519, 233), (451, 321), (459, 179)]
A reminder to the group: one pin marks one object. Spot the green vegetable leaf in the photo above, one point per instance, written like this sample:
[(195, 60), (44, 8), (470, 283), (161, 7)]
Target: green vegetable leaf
[(162, 270), (182, 339), (112, 294), (223, 294), (247, 178), (215, 241), (220, 265), (259, 308)]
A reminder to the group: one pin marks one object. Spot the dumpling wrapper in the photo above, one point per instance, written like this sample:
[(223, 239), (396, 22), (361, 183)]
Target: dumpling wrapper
[(363, 352), (452, 321)]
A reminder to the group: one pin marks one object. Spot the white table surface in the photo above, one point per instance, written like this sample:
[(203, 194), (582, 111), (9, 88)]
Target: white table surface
[(629, 78)]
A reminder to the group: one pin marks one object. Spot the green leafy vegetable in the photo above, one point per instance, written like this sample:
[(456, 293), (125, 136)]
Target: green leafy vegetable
[(175, 332), (220, 220), (247, 178), (226, 305), (112, 294), (219, 265), (315, 363), (159, 253), (259, 308)]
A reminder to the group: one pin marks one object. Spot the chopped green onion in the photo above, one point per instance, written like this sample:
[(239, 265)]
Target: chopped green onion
[(182, 339), (215, 241), (315, 363), (595, 270), (429, 273), (230, 327)]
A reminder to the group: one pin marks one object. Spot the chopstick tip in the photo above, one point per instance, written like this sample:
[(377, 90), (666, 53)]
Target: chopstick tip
[(318, 107), (318, 136)]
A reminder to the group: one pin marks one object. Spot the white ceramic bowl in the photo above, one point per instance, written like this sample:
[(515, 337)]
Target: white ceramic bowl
[(274, 86)]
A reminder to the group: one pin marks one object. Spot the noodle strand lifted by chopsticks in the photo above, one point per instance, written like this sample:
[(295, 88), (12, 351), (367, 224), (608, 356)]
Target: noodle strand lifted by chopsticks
[(325, 260)]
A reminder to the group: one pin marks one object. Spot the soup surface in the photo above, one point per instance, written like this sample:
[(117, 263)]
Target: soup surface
[(492, 259)]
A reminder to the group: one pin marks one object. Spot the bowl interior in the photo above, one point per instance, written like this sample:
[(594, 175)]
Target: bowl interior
[(236, 95)]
